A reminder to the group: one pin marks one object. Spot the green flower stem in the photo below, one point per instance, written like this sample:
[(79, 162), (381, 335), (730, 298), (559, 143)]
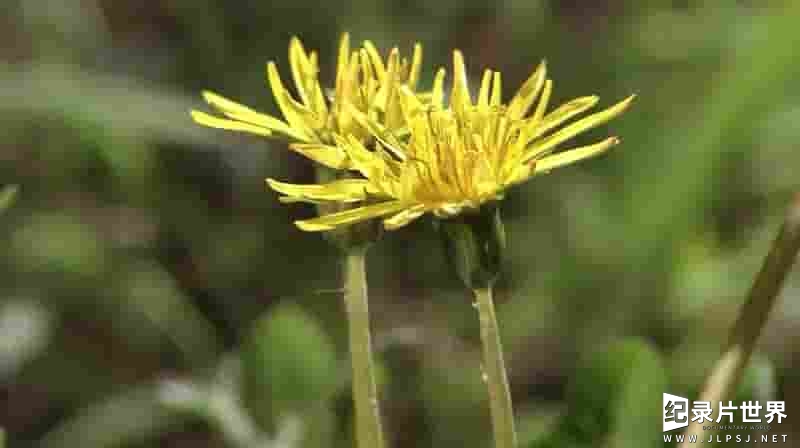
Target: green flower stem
[(494, 373), (365, 392), (727, 372)]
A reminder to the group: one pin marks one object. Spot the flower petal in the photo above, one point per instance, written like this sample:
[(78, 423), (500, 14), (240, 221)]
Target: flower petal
[(410, 104), (537, 127), (416, 67), (243, 113), (304, 71), (369, 163), (343, 190), (497, 90), (352, 216), (405, 217), (342, 60), (570, 156), (387, 138), (437, 92), (483, 91), (299, 117), (388, 84), (594, 120), (231, 125), (541, 107), (375, 59), (300, 67), (459, 97), (330, 156), (523, 100)]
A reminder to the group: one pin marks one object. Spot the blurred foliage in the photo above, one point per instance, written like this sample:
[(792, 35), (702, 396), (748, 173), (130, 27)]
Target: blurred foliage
[(289, 364), (7, 195), (152, 293), (607, 396)]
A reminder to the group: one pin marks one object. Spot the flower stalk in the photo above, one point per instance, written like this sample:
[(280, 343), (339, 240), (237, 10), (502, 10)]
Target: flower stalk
[(494, 372), (474, 244), (728, 371), (369, 433)]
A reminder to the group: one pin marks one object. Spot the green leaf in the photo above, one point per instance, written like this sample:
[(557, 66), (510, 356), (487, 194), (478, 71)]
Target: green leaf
[(614, 400), (61, 245), (289, 365)]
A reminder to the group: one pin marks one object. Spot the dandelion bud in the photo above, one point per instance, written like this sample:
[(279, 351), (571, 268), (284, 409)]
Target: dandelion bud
[(475, 244)]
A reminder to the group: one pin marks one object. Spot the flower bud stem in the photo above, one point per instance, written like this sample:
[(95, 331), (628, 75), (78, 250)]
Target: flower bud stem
[(365, 392), (494, 373)]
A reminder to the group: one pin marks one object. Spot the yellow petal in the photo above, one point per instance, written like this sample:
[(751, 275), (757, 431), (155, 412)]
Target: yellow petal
[(589, 122), (541, 107), (570, 156), (536, 128), (352, 216), (343, 190), (369, 163), (497, 90), (231, 125), (405, 217), (393, 116), (523, 100), (375, 59), (437, 93), (300, 66), (347, 91), (342, 60), (299, 117), (330, 156), (459, 98), (416, 67), (483, 92), (304, 72), (410, 104), (388, 83), (449, 209), (378, 131), (369, 78), (314, 61), (239, 112)]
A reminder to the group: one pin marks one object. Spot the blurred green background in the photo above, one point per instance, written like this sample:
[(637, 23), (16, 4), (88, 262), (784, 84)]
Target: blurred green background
[(154, 294)]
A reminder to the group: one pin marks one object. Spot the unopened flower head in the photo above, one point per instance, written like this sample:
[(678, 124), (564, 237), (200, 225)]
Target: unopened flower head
[(364, 83), (458, 157)]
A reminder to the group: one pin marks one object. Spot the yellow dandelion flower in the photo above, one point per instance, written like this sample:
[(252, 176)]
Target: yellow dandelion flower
[(364, 84), (458, 157)]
